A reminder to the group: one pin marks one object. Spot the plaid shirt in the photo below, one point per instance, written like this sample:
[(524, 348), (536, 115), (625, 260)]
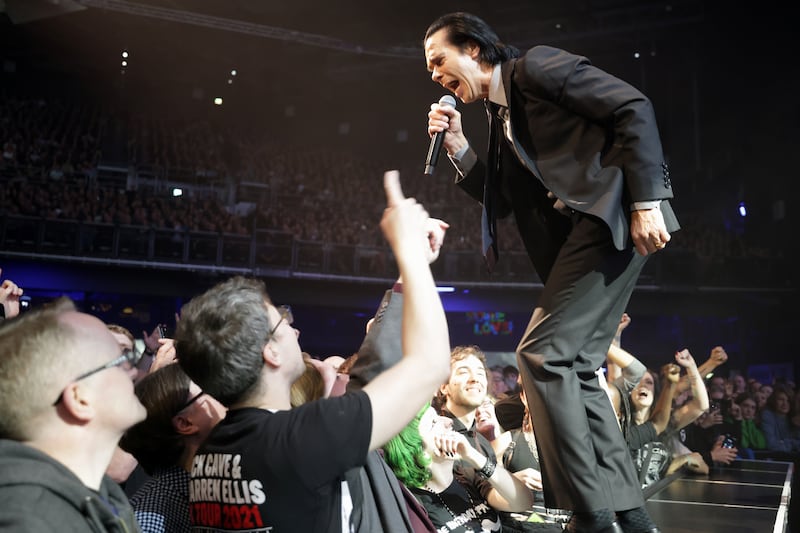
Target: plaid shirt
[(161, 505)]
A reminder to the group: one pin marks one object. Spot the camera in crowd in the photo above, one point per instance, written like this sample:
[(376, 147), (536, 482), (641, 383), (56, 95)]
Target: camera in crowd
[(24, 305), (729, 441)]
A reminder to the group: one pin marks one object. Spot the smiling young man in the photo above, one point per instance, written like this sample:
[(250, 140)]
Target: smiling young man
[(467, 386), (574, 153), (66, 393), (464, 394)]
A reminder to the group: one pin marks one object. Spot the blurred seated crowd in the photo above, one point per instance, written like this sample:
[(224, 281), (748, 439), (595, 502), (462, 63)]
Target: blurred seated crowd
[(53, 153), (86, 202)]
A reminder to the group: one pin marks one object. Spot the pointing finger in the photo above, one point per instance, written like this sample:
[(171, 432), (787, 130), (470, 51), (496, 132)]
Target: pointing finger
[(391, 183)]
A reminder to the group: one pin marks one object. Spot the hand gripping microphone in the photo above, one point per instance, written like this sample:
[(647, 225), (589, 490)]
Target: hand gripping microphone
[(437, 139)]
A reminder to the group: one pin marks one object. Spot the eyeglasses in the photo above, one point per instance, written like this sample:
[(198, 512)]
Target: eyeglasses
[(190, 401), (286, 314), (127, 360)]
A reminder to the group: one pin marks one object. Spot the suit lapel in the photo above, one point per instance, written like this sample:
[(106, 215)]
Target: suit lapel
[(515, 114)]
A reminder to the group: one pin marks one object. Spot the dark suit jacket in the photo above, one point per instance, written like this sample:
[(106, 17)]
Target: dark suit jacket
[(384, 504), (590, 138)]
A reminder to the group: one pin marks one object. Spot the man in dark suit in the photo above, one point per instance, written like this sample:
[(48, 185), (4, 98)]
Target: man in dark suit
[(574, 153)]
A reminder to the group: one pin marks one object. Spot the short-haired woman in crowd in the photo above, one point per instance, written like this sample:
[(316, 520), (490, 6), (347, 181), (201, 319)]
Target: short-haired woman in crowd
[(179, 417)]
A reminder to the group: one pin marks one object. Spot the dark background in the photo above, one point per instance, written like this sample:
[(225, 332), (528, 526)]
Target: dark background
[(723, 78)]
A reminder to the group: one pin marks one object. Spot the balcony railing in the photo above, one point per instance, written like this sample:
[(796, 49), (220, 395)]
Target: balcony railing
[(276, 253), (265, 252)]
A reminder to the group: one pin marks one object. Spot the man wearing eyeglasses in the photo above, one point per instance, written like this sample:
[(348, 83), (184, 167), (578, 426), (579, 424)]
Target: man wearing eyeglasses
[(66, 394), (266, 466)]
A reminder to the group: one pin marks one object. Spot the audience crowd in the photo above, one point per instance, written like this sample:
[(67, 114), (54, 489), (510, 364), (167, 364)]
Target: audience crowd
[(469, 453), (409, 434), (90, 202), (53, 154)]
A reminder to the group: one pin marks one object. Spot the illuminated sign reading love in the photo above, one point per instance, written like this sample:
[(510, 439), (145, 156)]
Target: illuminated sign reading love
[(485, 323)]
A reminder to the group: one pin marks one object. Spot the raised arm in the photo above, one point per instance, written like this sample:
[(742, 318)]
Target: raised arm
[(663, 408), (398, 393), (613, 365), (10, 294), (717, 357), (628, 369), (382, 345), (688, 413)]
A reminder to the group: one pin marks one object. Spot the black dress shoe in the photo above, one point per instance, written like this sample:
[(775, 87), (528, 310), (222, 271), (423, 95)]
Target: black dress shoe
[(614, 527), (637, 521)]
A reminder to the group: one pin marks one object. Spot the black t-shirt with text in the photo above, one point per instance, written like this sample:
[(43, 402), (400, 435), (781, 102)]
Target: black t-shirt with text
[(279, 472), (460, 508)]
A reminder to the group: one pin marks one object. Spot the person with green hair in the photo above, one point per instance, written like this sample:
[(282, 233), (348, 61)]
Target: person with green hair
[(457, 498)]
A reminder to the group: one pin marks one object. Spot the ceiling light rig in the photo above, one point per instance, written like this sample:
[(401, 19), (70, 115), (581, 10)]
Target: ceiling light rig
[(249, 28), (124, 62)]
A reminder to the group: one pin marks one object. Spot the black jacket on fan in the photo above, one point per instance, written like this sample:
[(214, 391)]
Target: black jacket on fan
[(37, 494)]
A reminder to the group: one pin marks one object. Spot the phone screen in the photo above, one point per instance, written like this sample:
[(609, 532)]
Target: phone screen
[(138, 344)]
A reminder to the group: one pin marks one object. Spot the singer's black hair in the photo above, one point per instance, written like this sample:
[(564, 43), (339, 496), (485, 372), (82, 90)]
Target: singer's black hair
[(463, 28)]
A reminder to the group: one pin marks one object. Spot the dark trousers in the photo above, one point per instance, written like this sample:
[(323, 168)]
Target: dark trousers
[(585, 462)]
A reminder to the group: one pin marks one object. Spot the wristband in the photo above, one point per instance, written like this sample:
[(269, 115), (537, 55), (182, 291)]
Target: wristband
[(488, 469)]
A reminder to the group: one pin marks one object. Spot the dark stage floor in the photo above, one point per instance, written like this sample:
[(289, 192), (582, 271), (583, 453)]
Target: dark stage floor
[(747, 497)]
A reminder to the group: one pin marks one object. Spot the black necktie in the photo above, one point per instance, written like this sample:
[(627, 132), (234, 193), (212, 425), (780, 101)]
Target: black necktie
[(488, 217)]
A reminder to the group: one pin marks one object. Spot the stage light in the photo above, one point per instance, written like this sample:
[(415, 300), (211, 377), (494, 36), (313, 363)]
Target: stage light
[(742, 210), (177, 192), (125, 53), (217, 101)]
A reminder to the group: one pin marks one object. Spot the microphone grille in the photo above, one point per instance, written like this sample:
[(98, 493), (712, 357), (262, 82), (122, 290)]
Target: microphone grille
[(447, 100)]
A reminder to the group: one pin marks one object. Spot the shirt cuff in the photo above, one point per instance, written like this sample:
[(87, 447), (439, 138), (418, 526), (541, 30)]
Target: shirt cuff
[(650, 204), (464, 160)]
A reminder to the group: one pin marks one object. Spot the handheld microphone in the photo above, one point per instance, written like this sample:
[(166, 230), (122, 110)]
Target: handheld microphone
[(437, 139)]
